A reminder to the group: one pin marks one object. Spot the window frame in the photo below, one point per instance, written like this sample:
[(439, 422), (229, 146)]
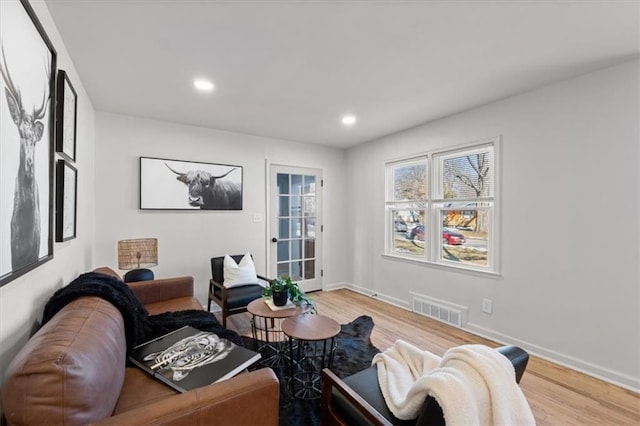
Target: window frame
[(392, 205), (436, 204)]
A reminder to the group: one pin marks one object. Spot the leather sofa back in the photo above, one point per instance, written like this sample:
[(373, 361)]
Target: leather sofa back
[(108, 271), (72, 370)]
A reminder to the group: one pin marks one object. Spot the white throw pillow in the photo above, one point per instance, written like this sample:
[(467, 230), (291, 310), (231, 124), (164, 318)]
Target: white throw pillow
[(239, 274)]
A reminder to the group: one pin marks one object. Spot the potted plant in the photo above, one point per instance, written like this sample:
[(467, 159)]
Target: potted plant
[(279, 291), (282, 288)]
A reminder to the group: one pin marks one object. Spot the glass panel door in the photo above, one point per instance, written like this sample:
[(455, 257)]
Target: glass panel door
[(295, 234)]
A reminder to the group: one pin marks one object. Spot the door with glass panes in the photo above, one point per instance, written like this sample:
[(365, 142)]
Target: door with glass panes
[(295, 225)]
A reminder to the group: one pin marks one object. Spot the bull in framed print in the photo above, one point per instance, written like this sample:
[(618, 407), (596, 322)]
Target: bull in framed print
[(189, 185)]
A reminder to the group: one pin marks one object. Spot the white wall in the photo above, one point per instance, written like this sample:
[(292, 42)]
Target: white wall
[(570, 280), (188, 239), (570, 283), (22, 300)]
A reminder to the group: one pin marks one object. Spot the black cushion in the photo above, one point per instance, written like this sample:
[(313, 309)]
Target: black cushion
[(365, 384), (240, 296)]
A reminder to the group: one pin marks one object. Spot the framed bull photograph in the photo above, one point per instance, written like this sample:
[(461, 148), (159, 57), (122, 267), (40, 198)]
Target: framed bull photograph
[(187, 185), (27, 93)]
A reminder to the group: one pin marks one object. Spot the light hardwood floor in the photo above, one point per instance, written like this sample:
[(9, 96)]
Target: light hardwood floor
[(557, 395)]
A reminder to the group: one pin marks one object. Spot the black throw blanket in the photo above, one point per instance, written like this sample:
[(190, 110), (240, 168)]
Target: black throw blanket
[(139, 326)]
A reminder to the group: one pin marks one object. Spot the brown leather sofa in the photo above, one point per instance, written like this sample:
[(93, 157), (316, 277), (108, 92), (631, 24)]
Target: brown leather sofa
[(73, 371)]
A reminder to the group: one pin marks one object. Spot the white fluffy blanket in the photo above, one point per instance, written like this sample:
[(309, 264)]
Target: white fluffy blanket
[(474, 385)]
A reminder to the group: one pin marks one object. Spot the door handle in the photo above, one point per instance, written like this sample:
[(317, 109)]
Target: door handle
[(274, 240)]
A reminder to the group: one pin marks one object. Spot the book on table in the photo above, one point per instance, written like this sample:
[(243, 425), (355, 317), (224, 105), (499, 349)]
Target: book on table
[(188, 358), (273, 307)]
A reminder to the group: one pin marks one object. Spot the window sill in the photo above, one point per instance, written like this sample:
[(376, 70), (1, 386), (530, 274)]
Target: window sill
[(460, 269)]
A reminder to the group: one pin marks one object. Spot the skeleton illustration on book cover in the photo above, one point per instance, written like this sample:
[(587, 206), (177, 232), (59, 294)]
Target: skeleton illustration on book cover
[(190, 353)]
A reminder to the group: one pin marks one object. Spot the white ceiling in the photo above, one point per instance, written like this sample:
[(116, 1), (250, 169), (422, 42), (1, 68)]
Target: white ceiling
[(291, 69)]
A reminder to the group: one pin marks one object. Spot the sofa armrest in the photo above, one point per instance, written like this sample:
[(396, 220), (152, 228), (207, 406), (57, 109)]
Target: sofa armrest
[(249, 398), (154, 291)]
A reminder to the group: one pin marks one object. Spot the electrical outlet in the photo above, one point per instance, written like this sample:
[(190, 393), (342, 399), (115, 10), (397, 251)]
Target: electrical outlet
[(257, 217), (487, 306)]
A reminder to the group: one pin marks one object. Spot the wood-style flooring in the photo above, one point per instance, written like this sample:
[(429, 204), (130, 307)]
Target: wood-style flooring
[(557, 395)]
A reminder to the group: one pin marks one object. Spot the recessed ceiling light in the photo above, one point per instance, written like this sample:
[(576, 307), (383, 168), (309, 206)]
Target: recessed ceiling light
[(203, 85), (349, 120)]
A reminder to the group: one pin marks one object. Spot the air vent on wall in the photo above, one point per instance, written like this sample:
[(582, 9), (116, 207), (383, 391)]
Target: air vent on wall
[(437, 310)]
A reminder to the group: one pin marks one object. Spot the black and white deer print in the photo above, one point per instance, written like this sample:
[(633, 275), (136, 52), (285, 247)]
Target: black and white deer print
[(25, 219)]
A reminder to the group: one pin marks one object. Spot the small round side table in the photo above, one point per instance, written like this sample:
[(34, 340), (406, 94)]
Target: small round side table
[(315, 337), (267, 332)]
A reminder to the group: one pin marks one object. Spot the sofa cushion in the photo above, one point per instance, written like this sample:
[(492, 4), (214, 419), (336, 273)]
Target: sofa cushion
[(72, 370), (131, 397), (172, 305)]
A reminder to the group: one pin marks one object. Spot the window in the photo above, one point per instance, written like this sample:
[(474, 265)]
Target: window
[(407, 208), (441, 207)]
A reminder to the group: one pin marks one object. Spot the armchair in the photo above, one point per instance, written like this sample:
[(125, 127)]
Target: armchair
[(231, 300), (357, 399)]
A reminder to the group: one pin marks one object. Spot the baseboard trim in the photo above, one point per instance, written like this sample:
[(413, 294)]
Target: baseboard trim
[(610, 376), (335, 286), (371, 293)]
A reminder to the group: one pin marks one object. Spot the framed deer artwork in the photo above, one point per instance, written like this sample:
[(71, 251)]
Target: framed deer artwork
[(27, 92), (66, 112)]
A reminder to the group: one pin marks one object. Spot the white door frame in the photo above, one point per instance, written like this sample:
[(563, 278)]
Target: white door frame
[(271, 221)]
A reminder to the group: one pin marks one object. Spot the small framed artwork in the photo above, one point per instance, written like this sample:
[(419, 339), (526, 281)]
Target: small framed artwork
[(66, 202), (66, 114), (187, 185)]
